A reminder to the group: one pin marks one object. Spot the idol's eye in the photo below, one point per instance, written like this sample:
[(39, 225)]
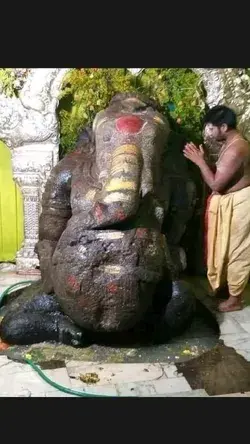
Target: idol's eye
[(107, 136)]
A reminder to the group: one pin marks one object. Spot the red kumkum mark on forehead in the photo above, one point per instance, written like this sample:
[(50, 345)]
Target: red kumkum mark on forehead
[(129, 124)]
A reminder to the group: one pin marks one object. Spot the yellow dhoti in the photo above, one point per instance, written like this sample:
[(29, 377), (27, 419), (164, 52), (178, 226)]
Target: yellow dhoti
[(228, 241)]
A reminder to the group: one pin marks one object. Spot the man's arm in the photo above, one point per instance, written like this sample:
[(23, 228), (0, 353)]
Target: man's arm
[(227, 168)]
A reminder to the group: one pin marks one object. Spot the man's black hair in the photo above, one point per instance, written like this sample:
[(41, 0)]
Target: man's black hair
[(219, 115)]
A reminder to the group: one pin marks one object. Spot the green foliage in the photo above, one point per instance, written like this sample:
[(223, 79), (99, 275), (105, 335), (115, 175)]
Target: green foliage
[(7, 79), (87, 91), (180, 93)]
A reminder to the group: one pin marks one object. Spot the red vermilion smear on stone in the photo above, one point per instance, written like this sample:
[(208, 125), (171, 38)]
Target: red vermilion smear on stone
[(75, 153), (73, 283), (141, 232), (99, 212), (77, 184), (129, 124), (112, 288), (120, 215)]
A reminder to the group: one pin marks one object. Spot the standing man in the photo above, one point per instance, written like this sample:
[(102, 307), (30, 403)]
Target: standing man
[(228, 235)]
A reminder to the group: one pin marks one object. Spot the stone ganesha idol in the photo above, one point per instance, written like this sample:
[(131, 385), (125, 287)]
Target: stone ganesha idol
[(105, 263)]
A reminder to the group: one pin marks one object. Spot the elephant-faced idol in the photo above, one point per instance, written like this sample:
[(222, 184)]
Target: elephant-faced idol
[(106, 266)]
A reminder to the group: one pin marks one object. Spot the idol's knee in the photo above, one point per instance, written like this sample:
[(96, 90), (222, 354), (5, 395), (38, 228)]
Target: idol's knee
[(181, 308)]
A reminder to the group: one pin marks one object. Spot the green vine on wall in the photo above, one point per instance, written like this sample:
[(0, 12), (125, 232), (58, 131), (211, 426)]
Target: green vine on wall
[(88, 90), (179, 91), (12, 80), (7, 82), (84, 93)]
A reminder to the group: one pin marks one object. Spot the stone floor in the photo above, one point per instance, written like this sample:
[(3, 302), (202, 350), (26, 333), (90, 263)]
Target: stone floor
[(115, 379), (234, 327), (8, 278)]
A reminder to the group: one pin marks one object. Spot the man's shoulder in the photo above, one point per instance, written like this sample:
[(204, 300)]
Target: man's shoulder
[(238, 149), (240, 146)]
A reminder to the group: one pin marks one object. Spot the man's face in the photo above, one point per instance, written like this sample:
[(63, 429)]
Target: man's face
[(212, 132)]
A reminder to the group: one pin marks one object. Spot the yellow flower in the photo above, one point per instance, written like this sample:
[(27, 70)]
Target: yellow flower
[(186, 352)]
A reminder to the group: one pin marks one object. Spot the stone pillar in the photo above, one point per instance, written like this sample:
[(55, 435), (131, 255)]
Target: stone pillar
[(29, 126), (31, 168)]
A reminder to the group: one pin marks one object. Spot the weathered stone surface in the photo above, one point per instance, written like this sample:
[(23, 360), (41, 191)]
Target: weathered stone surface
[(103, 244), (231, 87)]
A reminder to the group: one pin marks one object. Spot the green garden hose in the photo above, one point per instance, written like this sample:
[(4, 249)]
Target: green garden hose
[(61, 387), (11, 287), (35, 367)]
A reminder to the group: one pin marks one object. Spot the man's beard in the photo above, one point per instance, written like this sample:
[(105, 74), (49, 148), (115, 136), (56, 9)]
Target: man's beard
[(212, 148)]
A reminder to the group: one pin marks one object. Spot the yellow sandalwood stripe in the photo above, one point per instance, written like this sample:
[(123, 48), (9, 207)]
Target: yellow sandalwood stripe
[(121, 159), (127, 152), (90, 194), (159, 120), (126, 149), (118, 184), (124, 168), (117, 197), (110, 235), (112, 269), (134, 99)]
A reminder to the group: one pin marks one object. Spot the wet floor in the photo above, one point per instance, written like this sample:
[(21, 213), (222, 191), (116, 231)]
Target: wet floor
[(201, 336), (219, 371)]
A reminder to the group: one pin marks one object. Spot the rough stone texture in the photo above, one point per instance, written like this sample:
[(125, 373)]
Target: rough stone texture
[(102, 247), (28, 125), (109, 261)]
